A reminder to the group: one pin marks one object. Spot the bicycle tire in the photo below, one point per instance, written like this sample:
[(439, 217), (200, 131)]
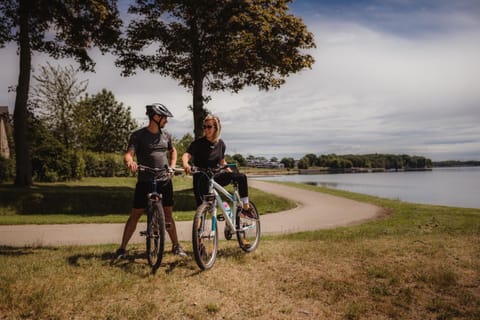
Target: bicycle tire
[(227, 232), (155, 239), (204, 237), (248, 231)]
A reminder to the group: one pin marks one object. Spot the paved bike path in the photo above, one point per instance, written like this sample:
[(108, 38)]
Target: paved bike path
[(315, 211)]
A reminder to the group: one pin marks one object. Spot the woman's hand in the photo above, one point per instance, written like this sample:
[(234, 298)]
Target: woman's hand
[(132, 166)]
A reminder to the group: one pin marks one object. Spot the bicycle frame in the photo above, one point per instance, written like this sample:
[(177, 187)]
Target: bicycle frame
[(154, 196), (216, 189), (234, 200)]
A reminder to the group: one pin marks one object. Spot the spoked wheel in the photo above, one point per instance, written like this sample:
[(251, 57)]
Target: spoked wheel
[(204, 237), (155, 235), (248, 231)]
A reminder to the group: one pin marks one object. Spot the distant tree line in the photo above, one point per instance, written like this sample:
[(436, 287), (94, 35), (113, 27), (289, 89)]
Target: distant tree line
[(333, 161), (385, 161), (456, 163)]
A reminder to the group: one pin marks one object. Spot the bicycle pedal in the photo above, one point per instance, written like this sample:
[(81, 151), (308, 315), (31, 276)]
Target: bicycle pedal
[(143, 233), (220, 217)]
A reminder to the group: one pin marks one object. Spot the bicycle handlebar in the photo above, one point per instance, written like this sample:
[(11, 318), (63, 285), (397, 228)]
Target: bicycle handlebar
[(160, 171), (214, 171)]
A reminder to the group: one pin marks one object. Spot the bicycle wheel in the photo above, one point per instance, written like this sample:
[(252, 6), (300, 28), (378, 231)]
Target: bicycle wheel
[(204, 237), (248, 231), (155, 235)]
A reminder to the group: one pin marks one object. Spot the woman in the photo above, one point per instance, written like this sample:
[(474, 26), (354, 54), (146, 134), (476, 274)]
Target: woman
[(209, 152)]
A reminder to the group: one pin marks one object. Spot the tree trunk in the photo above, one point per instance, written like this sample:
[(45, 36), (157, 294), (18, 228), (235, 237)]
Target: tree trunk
[(197, 76), (22, 150), (198, 111)]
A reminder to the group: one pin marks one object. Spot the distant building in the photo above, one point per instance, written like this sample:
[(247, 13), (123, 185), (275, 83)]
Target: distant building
[(4, 149), (265, 164)]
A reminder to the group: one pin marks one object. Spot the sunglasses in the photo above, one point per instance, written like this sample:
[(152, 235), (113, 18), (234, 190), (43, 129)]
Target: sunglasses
[(208, 127)]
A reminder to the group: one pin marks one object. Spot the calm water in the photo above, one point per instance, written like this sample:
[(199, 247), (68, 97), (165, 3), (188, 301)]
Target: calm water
[(458, 187)]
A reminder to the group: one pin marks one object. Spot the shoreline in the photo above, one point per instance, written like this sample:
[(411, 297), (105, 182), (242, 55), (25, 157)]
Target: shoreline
[(252, 172)]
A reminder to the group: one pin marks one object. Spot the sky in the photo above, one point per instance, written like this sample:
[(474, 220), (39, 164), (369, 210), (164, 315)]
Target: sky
[(391, 76)]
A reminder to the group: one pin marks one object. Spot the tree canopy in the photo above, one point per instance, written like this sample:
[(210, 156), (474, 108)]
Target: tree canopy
[(216, 45), (103, 124), (54, 98), (59, 29)]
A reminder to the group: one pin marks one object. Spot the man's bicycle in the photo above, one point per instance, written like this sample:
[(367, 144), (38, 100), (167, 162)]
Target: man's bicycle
[(205, 231), (155, 233)]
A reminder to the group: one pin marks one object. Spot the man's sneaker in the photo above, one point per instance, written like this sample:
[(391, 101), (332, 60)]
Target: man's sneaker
[(178, 250), (121, 253), (248, 213)]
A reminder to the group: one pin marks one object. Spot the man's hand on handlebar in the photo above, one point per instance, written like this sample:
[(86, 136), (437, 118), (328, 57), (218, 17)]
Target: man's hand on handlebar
[(187, 169)]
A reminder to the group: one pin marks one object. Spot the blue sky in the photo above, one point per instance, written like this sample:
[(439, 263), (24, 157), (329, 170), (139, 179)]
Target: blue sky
[(392, 76)]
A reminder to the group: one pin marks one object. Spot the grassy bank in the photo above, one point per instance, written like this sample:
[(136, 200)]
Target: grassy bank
[(421, 262)]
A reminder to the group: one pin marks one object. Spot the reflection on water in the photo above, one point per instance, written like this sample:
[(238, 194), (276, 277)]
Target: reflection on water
[(445, 186)]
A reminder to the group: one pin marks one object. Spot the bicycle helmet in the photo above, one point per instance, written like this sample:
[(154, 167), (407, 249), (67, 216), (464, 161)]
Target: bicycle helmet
[(157, 108)]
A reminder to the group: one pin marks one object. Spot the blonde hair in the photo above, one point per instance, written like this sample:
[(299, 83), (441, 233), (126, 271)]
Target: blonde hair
[(217, 125)]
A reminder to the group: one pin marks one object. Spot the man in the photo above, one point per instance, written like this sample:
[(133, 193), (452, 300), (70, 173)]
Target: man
[(150, 145)]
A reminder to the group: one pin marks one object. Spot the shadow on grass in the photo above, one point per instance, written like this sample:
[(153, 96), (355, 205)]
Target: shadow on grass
[(79, 200), (15, 251), (136, 261)]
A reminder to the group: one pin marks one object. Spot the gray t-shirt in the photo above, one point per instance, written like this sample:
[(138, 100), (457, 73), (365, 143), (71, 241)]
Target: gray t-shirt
[(150, 149)]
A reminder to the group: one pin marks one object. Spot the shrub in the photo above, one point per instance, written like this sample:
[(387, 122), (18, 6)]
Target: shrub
[(77, 164), (7, 169), (50, 162)]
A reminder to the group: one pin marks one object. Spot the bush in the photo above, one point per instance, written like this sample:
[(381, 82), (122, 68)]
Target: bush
[(77, 165), (50, 162), (7, 169), (104, 165), (302, 164)]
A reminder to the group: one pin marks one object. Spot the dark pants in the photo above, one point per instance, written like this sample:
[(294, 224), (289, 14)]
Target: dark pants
[(145, 187), (200, 183)]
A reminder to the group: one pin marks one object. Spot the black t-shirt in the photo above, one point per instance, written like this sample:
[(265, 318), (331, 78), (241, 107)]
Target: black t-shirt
[(150, 149), (206, 154)]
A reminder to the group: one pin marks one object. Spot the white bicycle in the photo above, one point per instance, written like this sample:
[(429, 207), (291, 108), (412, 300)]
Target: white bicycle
[(205, 231)]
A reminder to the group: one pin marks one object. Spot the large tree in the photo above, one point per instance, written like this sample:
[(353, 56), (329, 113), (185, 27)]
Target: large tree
[(54, 98), (102, 123), (59, 29), (216, 44)]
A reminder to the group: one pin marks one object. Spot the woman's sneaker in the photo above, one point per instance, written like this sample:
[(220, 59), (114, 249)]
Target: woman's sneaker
[(248, 213), (178, 250)]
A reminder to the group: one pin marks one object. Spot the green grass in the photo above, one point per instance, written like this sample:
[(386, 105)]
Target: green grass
[(419, 262), (405, 219), (100, 200)]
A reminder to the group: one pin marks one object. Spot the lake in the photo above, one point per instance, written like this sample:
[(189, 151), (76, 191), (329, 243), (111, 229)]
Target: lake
[(458, 186)]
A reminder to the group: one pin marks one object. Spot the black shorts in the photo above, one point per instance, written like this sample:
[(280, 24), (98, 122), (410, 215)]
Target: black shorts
[(145, 187)]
